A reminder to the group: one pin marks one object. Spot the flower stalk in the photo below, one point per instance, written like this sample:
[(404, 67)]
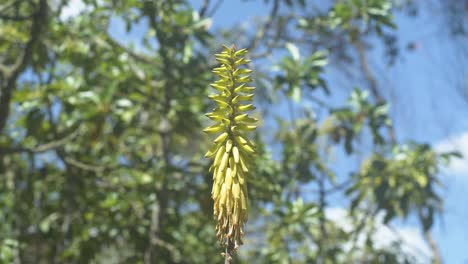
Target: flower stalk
[(231, 151)]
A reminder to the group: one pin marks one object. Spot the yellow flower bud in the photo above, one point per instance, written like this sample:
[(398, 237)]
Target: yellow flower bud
[(228, 145)]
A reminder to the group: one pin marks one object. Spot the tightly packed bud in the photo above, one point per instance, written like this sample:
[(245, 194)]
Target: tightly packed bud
[(231, 150)]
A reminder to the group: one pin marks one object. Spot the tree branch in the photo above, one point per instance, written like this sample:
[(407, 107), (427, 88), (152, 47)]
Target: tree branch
[(372, 81), (204, 8), (15, 18), (269, 22), (162, 193), (322, 247), (370, 213), (135, 55), (11, 75), (436, 257), (84, 166), (275, 38), (8, 5)]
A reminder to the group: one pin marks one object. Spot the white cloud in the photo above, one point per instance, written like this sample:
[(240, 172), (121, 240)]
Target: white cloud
[(459, 143), (72, 9), (409, 237), (412, 241)]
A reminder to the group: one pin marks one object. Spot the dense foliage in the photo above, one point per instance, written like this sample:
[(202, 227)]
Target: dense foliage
[(102, 143)]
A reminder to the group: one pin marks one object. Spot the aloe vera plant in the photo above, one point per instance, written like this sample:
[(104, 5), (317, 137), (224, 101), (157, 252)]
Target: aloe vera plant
[(231, 150)]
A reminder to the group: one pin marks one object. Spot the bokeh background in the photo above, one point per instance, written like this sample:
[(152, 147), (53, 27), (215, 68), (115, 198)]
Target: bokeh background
[(362, 140)]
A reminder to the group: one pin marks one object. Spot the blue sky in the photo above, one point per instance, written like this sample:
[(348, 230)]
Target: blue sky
[(425, 106), (435, 112)]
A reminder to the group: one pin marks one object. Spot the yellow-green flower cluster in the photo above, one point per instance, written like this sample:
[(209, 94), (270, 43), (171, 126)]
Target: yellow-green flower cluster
[(231, 150)]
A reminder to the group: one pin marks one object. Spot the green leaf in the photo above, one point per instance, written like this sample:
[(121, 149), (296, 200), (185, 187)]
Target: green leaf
[(294, 51)]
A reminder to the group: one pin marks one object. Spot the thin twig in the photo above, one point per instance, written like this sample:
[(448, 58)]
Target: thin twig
[(318, 101), (41, 148), (407, 243), (215, 8), (335, 188), (204, 8), (275, 38)]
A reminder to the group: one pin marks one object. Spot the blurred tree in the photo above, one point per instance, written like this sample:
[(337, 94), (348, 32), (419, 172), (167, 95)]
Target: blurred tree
[(101, 143)]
